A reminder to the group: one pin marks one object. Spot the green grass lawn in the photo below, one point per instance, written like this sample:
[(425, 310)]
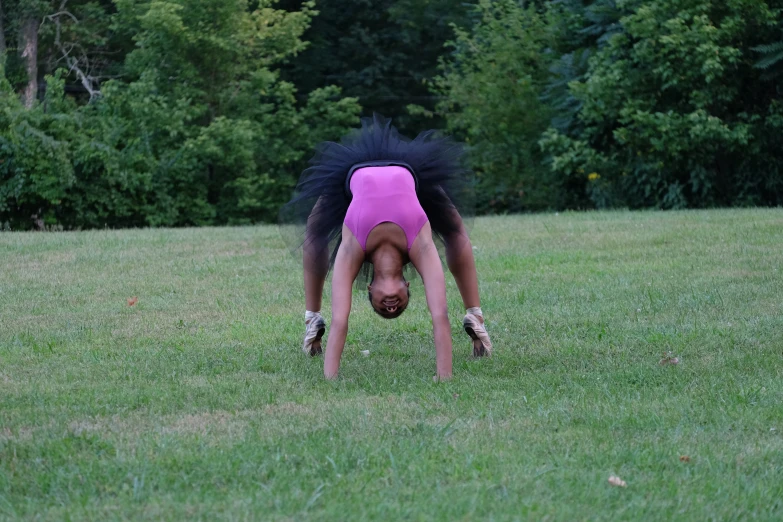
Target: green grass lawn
[(197, 403)]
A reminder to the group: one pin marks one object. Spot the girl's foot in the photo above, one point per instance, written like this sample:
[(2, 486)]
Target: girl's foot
[(315, 329), (474, 326)]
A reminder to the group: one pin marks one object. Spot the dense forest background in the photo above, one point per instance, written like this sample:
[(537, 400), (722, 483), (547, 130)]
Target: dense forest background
[(203, 112)]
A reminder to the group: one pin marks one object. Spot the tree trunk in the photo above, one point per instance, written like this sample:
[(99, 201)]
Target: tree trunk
[(2, 32), (29, 41)]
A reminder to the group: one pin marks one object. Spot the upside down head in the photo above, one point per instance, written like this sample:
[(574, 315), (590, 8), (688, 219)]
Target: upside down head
[(389, 297)]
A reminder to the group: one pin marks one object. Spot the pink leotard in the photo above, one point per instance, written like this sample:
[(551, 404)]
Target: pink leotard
[(384, 195)]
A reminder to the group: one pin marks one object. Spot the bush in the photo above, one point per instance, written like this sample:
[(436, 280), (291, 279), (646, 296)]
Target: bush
[(198, 131), (673, 113), (491, 83)]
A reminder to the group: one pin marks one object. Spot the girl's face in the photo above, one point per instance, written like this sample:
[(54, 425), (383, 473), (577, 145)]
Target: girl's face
[(389, 298)]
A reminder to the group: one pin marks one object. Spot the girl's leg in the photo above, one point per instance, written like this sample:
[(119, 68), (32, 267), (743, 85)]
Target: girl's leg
[(316, 266), (459, 258), (461, 263)]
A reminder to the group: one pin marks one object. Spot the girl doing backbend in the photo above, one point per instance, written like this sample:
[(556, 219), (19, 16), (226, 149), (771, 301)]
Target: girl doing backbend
[(378, 198)]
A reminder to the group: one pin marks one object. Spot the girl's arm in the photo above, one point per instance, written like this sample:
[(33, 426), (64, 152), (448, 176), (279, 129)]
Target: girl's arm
[(424, 257), (346, 267)]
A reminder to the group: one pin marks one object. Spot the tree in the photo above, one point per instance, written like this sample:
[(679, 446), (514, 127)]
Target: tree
[(2, 34), (581, 29), (28, 43), (381, 52), (491, 86), (771, 56), (672, 112), (189, 126)]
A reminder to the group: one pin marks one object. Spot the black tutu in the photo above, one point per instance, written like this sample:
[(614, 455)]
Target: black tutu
[(442, 183)]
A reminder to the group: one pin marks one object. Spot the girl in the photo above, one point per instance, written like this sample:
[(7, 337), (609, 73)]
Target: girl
[(377, 198)]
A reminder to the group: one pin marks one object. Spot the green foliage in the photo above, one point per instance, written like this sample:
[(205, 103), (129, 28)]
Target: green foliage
[(35, 156), (491, 87), (651, 103), (581, 29), (771, 57), (672, 113), (203, 112), (199, 129), (381, 52)]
